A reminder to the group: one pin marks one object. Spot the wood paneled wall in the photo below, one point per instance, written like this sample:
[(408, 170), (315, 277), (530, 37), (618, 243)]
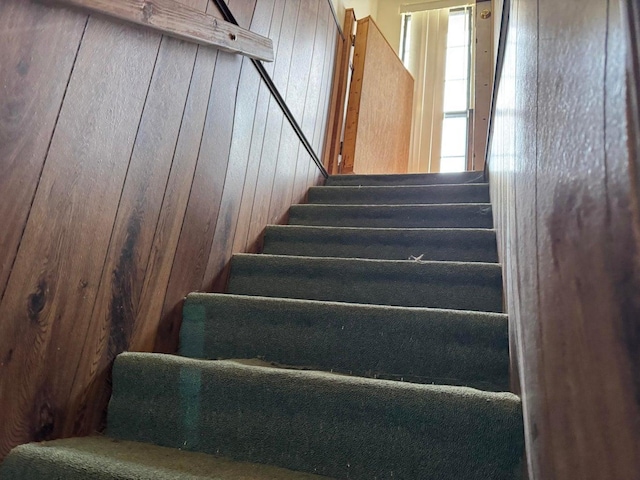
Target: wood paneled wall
[(563, 194), (132, 166)]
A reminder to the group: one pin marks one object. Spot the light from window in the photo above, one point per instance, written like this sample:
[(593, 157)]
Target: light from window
[(453, 156), (405, 39)]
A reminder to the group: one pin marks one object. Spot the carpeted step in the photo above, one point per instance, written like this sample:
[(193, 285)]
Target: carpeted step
[(407, 179), (464, 245), (103, 458), (420, 345), (399, 195), (454, 285), (334, 425), (463, 215)]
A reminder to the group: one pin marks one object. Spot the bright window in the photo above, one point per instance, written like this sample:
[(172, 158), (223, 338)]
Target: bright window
[(405, 39), (457, 85)]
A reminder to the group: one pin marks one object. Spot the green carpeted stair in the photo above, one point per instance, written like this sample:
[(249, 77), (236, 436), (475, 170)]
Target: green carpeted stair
[(455, 244), (367, 341)]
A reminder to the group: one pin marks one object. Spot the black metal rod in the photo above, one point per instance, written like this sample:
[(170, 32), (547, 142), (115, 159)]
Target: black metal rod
[(229, 17)]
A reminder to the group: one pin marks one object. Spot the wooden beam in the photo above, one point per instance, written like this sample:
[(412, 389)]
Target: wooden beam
[(179, 21)]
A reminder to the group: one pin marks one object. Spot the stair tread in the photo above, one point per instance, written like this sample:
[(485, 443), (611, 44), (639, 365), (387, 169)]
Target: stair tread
[(403, 194), (330, 424), (415, 344), (447, 244), (106, 458), (452, 215)]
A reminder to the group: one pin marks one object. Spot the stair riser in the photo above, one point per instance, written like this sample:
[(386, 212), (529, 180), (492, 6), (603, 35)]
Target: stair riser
[(329, 425), (430, 216), (438, 346), (410, 284), (477, 246), (472, 193)]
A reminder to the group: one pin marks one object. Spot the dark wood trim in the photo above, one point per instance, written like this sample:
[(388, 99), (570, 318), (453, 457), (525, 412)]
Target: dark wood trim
[(180, 21), (502, 43), (339, 94), (229, 17), (631, 19)]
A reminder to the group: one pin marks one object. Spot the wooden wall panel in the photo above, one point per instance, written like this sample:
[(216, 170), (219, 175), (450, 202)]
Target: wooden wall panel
[(203, 208), (45, 45), (57, 271), (253, 183), (563, 191), (316, 81), (321, 129), (243, 124), (174, 203), (379, 110), (274, 124), (149, 161), (115, 311), (295, 95)]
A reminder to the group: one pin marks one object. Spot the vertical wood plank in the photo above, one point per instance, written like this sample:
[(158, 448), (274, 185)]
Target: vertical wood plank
[(240, 241), (312, 102), (116, 308), (274, 125), (321, 134), (295, 97), (203, 208), (339, 93), (564, 204), (37, 42), (355, 97), (62, 253), (322, 122), (175, 200), (243, 125)]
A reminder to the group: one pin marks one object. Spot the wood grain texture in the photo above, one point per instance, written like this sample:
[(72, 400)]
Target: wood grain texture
[(251, 185), (178, 20), (274, 125), (37, 41), (321, 130), (631, 19), (116, 309), (57, 271), (322, 134), (311, 108), (147, 169), (295, 96), (564, 201), (243, 125), (339, 94), (379, 111), (176, 197), (203, 208)]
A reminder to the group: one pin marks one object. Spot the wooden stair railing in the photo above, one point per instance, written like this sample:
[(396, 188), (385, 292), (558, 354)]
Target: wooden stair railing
[(177, 20)]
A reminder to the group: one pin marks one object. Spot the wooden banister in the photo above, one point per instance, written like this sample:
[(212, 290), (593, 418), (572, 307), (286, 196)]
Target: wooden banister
[(177, 20)]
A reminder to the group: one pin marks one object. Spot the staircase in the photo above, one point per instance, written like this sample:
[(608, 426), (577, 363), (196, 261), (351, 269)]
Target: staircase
[(345, 350)]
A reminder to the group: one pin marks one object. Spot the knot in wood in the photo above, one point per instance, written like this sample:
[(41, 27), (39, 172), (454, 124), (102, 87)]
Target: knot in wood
[(147, 10)]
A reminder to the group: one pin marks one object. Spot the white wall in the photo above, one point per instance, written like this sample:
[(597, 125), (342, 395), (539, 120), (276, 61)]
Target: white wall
[(362, 8)]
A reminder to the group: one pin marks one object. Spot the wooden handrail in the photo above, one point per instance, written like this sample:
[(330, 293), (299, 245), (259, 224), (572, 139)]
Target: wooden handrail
[(176, 20)]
